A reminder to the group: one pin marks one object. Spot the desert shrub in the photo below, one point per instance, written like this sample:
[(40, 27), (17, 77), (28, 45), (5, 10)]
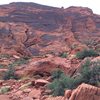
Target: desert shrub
[(86, 53), (60, 83), (73, 46), (57, 74), (10, 74), (85, 72), (2, 66), (20, 62), (90, 73), (5, 56), (63, 55)]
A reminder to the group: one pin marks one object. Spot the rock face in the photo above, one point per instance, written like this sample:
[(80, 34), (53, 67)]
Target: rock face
[(83, 92), (29, 29), (45, 66), (33, 29)]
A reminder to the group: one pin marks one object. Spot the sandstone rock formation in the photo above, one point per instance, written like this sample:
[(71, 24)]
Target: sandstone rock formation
[(40, 34), (32, 29), (45, 66), (83, 92)]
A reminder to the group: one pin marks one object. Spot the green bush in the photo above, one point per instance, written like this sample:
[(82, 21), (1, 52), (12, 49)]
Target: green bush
[(90, 73), (20, 62), (10, 74), (60, 83), (2, 66), (57, 74), (63, 55), (85, 72), (5, 56), (86, 53)]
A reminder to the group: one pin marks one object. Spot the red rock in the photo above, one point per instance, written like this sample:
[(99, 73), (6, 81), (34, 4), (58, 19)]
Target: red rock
[(35, 93), (67, 94), (27, 90), (4, 97), (84, 92), (28, 38), (15, 56), (27, 98), (18, 93), (1, 82), (55, 98), (41, 82), (29, 29), (47, 65), (96, 59)]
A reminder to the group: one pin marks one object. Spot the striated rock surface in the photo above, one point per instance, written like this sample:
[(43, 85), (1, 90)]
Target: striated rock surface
[(44, 66), (34, 40), (33, 29), (83, 92)]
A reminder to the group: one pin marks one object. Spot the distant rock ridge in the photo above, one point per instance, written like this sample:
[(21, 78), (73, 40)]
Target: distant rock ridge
[(33, 29)]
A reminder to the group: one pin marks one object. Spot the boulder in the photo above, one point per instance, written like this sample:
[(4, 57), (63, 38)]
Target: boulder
[(67, 94), (41, 82), (83, 92), (45, 66)]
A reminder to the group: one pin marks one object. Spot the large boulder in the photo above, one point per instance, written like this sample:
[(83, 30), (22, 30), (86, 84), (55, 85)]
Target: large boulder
[(47, 65), (83, 92)]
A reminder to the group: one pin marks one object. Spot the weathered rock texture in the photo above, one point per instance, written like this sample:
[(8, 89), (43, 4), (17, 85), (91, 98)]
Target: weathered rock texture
[(29, 29), (47, 65), (32, 29), (83, 92)]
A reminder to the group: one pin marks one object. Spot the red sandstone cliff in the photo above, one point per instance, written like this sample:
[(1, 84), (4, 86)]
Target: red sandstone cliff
[(43, 32), (32, 29)]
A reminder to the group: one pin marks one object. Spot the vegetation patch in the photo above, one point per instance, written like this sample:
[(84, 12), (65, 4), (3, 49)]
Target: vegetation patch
[(2, 66), (60, 83), (63, 55), (86, 53), (10, 74), (20, 62), (4, 56), (89, 74)]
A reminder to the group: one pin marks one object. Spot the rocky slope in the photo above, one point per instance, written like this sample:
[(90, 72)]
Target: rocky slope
[(32, 29), (34, 38)]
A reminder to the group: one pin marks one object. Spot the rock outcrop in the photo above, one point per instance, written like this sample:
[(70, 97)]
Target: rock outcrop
[(34, 40), (33, 29), (83, 92), (45, 66)]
